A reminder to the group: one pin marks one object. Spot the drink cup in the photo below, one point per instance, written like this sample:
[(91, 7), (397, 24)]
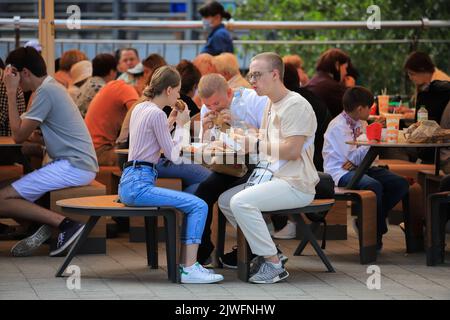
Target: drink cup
[(383, 104), (392, 124)]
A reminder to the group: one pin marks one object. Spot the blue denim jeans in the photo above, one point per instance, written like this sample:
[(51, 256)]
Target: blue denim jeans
[(137, 188), (191, 174), (388, 187)]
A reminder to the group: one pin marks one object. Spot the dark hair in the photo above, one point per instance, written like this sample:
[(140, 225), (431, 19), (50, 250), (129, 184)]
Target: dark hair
[(190, 75), (57, 60), (2, 65), (102, 64), (419, 62), (328, 59), (153, 62), (213, 8), (291, 79), (352, 71), (127, 49), (28, 58), (355, 97)]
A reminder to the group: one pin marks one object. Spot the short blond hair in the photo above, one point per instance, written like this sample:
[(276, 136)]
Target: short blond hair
[(293, 59), (226, 63), (210, 84), (274, 60), (203, 61)]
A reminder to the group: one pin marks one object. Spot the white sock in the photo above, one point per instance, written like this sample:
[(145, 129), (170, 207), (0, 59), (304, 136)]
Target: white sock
[(190, 267)]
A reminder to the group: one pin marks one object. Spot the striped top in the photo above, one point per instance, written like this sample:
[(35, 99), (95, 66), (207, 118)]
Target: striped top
[(149, 135)]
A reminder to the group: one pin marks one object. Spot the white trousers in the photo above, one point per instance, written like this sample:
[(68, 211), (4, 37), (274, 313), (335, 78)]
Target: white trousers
[(243, 207)]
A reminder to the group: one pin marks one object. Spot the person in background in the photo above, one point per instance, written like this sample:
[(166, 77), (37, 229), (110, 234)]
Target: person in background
[(205, 64), (432, 85), (150, 64), (68, 143), (68, 59), (329, 81), (445, 152), (105, 116), (103, 71), (297, 62), (5, 129), (219, 39), (80, 73), (34, 43), (127, 58), (190, 76), (132, 75), (149, 134), (341, 159), (432, 90), (227, 65), (352, 76)]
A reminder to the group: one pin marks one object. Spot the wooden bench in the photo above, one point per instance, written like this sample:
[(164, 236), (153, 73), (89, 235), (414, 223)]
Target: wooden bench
[(364, 206), (11, 172), (317, 206), (437, 215), (137, 225), (100, 206), (104, 176), (406, 168), (96, 243)]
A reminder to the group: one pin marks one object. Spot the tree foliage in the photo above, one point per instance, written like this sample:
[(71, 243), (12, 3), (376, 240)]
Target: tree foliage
[(379, 65)]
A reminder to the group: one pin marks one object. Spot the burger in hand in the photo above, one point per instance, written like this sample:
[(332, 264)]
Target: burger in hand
[(222, 121), (180, 105)]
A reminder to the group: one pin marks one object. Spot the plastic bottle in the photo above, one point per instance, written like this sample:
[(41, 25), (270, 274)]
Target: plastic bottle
[(422, 114)]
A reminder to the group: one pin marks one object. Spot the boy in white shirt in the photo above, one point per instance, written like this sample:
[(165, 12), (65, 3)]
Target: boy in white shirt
[(341, 159)]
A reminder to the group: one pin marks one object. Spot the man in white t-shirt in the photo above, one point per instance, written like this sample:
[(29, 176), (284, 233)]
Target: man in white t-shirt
[(286, 142)]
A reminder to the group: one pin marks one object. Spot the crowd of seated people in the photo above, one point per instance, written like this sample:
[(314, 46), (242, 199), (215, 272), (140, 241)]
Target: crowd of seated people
[(298, 124)]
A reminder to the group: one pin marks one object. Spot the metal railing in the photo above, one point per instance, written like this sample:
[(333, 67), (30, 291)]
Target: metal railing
[(232, 25)]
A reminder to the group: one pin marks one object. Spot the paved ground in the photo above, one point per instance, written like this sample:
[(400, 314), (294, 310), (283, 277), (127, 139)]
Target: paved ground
[(122, 274)]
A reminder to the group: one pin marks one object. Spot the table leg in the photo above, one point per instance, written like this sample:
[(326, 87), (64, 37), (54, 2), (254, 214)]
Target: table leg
[(78, 243), (362, 168), (437, 161), (151, 239)]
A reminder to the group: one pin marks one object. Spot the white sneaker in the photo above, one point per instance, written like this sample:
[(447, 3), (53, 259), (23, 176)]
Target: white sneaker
[(197, 274), (288, 232)]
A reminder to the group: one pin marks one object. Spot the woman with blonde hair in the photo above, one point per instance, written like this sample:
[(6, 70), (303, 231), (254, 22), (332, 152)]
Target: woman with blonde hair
[(149, 133)]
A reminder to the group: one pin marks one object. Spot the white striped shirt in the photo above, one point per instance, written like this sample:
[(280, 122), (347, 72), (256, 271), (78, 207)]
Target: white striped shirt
[(149, 135)]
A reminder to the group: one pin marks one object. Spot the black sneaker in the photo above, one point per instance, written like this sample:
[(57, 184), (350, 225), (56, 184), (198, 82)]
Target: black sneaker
[(66, 238), (229, 260)]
